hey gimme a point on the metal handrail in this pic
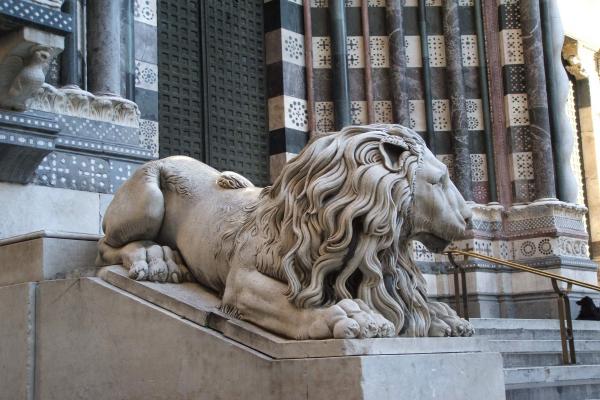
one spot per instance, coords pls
(564, 309)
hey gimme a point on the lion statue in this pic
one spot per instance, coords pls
(322, 253)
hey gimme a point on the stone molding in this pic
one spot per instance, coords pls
(73, 101)
(546, 232)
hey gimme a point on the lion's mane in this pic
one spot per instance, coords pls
(336, 223)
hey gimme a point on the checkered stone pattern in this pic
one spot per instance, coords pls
(286, 83)
(146, 72)
(378, 47)
(441, 104)
(515, 101)
(286, 65)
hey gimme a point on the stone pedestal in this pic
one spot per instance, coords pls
(549, 235)
(95, 339)
(46, 255)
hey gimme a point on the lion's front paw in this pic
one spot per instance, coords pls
(350, 319)
(442, 313)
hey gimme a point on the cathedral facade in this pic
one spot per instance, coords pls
(91, 90)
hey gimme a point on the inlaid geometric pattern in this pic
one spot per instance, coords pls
(474, 114)
(383, 112)
(470, 57)
(478, 168)
(146, 75)
(517, 109)
(145, 11)
(321, 52)
(324, 116)
(416, 110)
(441, 115)
(511, 47)
(293, 47)
(437, 50)
(358, 112)
(522, 164)
(379, 48)
(412, 46)
(356, 51)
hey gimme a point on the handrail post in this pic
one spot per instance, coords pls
(457, 288)
(463, 276)
(570, 335)
(566, 324)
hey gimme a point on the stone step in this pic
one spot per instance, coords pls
(541, 346)
(541, 359)
(533, 328)
(552, 382)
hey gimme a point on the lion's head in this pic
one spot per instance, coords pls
(338, 221)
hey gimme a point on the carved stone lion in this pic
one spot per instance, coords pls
(322, 253)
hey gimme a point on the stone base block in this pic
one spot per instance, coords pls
(97, 341)
(32, 208)
(17, 341)
(47, 255)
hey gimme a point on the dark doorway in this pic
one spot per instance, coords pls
(212, 84)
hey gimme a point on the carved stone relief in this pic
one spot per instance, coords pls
(73, 101)
(24, 59)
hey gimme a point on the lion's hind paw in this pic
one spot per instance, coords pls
(350, 319)
(155, 263)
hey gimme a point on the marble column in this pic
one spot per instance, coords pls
(71, 62)
(339, 64)
(558, 90)
(539, 119)
(395, 31)
(456, 91)
(103, 51)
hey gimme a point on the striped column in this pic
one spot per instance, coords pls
(286, 91)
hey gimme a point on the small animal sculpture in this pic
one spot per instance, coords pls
(588, 311)
(322, 253)
(19, 82)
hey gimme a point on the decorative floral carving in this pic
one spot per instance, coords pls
(50, 3)
(71, 100)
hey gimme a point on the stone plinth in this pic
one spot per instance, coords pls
(548, 235)
(95, 340)
(46, 255)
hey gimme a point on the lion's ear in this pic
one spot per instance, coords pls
(391, 147)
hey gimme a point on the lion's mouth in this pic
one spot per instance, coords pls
(433, 243)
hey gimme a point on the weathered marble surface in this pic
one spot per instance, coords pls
(539, 120)
(96, 341)
(330, 220)
(199, 305)
(398, 78)
(17, 341)
(562, 138)
(456, 89)
(104, 44)
(45, 255)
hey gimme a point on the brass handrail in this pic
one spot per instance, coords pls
(564, 309)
